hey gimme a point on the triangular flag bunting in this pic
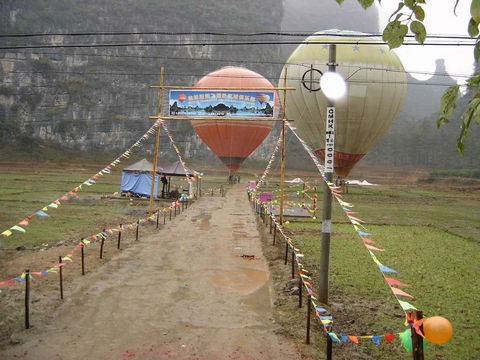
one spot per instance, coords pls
(370, 247)
(400, 292)
(391, 281)
(406, 306)
(17, 228)
(367, 240)
(386, 269)
(353, 339)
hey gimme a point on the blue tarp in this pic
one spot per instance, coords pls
(138, 183)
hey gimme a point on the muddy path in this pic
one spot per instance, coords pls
(183, 293)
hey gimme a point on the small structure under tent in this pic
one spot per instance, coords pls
(176, 169)
(137, 179)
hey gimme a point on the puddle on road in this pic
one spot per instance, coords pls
(203, 219)
(184, 293)
(240, 235)
(243, 281)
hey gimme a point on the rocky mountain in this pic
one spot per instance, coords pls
(81, 73)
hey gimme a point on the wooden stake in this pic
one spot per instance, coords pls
(417, 340)
(61, 277)
(27, 299)
(274, 233)
(329, 346)
(101, 247)
(119, 236)
(83, 258)
(309, 310)
(300, 291)
(293, 264)
(136, 232)
(286, 253)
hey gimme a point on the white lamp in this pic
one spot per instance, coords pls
(333, 85)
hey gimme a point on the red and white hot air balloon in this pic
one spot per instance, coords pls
(233, 140)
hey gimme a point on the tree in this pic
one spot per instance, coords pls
(409, 16)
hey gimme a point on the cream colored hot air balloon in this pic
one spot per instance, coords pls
(376, 88)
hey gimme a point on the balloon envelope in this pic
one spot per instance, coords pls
(376, 89)
(233, 141)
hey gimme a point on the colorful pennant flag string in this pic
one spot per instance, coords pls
(270, 162)
(86, 241)
(184, 166)
(19, 227)
(364, 235)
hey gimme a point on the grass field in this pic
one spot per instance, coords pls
(430, 231)
(431, 234)
(28, 188)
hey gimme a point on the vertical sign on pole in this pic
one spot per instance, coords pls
(330, 140)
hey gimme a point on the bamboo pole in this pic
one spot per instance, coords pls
(157, 142)
(220, 87)
(282, 164)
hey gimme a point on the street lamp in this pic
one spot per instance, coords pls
(333, 86)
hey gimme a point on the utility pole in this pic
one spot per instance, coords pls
(327, 193)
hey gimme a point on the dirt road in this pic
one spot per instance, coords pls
(184, 293)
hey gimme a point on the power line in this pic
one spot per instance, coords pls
(237, 34)
(141, 57)
(209, 43)
(431, 40)
(182, 74)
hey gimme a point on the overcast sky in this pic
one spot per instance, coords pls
(439, 20)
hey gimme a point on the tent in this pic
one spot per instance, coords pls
(295, 181)
(137, 179)
(176, 169)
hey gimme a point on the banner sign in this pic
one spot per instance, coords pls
(266, 197)
(224, 103)
(330, 140)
